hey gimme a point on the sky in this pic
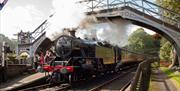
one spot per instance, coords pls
(23, 15)
(27, 15)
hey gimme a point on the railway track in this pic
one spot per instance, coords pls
(119, 81)
(126, 86)
(104, 86)
(48, 87)
(100, 86)
(57, 88)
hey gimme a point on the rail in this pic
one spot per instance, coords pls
(126, 72)
(141, 79)
(48, 87)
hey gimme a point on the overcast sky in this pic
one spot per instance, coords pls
(24, 15)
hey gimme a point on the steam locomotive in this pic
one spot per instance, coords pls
(78, 59)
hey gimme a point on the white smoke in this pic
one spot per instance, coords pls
(115, 33)
(68, 14)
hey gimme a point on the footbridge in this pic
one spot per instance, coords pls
(33, 40)
(139, 12)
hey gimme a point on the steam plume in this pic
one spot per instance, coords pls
(115, 33)
(68, 14)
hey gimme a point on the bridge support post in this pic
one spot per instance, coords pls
(142, 5)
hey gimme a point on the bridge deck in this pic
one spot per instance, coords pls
(154, 19)
(114, 13)
(21, 81)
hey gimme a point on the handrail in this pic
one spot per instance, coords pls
(141, 79)
(136, 77)
(40, 30)
(162, 7)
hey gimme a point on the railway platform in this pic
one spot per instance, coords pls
(21, 81)
(160, 82)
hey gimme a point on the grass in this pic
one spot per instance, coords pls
(171, 74)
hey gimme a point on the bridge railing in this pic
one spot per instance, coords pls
(147, 7)
(40, 30)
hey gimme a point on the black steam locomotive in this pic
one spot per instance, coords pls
(81, 59)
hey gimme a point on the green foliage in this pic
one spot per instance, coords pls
(165, 51)
(11, 42)
(139, 41)
(166, 47)
(173, 5)
(163, 41)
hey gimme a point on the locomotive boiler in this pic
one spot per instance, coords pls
(78, 59)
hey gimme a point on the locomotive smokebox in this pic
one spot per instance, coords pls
(64, 45)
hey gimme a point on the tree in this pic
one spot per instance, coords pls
(139, 41)
(165, 51)
(11, 42)
(173, 5)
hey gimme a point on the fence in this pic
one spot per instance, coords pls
(142, 77)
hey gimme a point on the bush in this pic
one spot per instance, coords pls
(165, 51)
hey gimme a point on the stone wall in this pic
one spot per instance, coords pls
(15, 70)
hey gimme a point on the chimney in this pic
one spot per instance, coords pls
(72, 32)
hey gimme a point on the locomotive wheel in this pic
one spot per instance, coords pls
(116, 70)
(52, 78)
